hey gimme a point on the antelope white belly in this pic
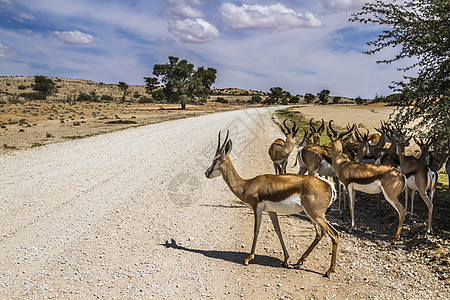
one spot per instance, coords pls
(411, 181)
(371, 188)
(291, 205)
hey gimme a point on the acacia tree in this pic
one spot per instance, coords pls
(277, 95)
(421, 29)
(151, 83)
(124, 87)
(309, 98)
(44, 85)
(182, 82)
(323, 96)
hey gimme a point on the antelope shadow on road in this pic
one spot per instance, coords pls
(234, 256)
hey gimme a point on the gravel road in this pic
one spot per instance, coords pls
(130, 214)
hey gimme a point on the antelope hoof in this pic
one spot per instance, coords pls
(248, 259)
(350, 229)
(286, 264)
(299, 263)
(328, 273)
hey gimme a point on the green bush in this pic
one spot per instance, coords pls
(22, 87)
(33, 96)
(146, 100)
(294, 99)
(256, 99)
(121, 122)
(106, 98)
(222, 100)
(359, 100)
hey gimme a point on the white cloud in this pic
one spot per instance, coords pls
(276, 16)
(74, 37)
(344, 4)
(184, 12)
(193, 2)
(6, 52)
(22, 17)
(193, 31)
(25, 31)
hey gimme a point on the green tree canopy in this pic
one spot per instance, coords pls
(309, 98)
(44, 85)
(182, 82)
(277, 95)
(124, 87)
(151, 83)
(323, 96)
(420, 29)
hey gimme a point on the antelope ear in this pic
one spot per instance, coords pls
(228, 147)
(226, 151)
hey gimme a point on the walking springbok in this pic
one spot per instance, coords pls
(280, 149)
(286, 194)
(419, 176)
(367, 178)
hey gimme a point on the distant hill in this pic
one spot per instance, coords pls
(14, 85)
(68, 88)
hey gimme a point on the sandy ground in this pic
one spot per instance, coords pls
(365, 116)
(130, 214)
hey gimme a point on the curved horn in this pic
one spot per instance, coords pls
(285, 126)
(294, 127)
(220, 149)
(218, 145)
(313, 129)
(331, 128)
(347, 132)
(322, 127)
(306, 131)
(358, 134)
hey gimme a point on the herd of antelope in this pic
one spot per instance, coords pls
(355, 161)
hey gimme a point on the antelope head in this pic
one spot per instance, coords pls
(363, 141)
(290, 132)
(316, 133)
(222, 152)
(398, 133)
(334, 136)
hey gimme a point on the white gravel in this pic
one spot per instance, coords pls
(89, 217)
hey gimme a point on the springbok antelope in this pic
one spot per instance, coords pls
(280, 149)
(386, 157)
(316, 159)
(286, 193)
(420, 177)
(316, 133)
(367, 178)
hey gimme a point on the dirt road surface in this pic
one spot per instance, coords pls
(130, 214)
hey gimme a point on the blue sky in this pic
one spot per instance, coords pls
(302, 46)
